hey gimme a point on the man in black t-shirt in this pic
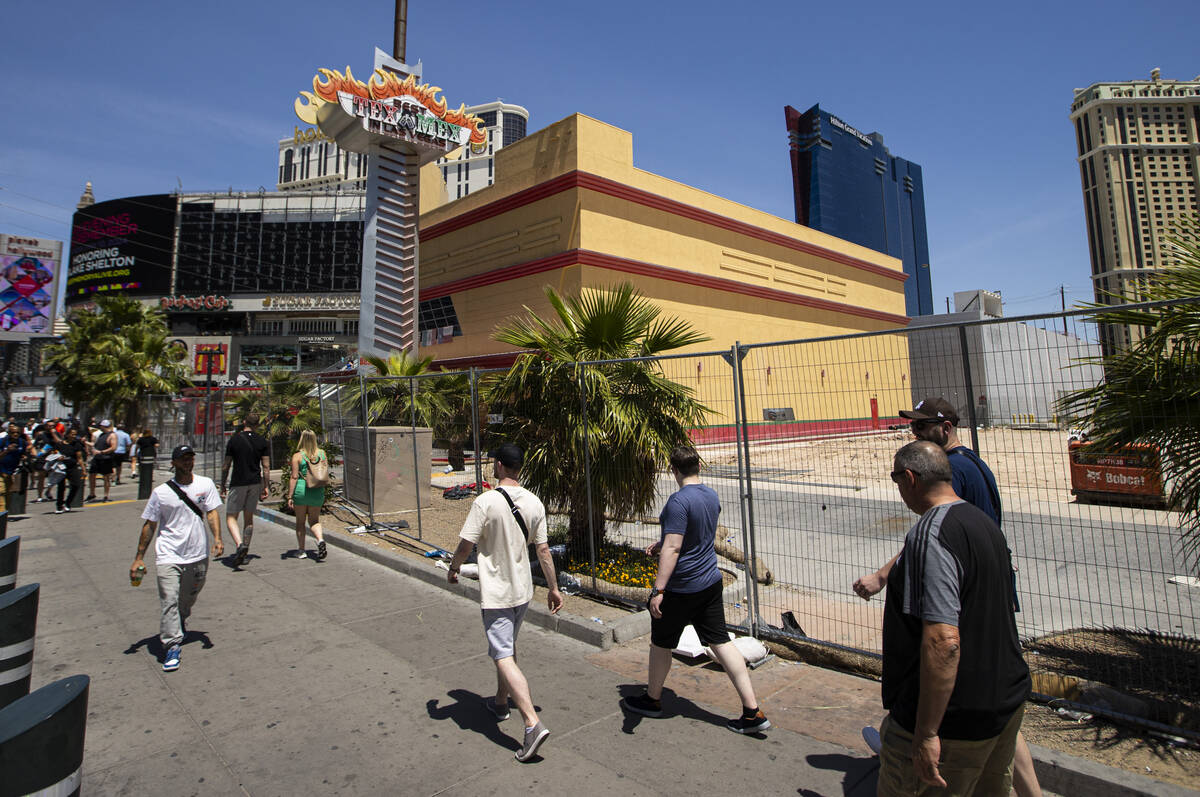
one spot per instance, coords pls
(249, 455)
(954, 679)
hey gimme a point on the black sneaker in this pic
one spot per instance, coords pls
(90, 497)
(240, 555)
(643, 704)
(321, 552)
(756, 724)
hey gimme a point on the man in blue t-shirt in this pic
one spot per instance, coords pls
(687, 591)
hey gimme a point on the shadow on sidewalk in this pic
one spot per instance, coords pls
(154, 647)
(470, 713)
(860, 778)
(673, 705)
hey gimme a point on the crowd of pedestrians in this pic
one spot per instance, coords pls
(954, 678)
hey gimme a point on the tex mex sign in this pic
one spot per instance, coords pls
(386, 107)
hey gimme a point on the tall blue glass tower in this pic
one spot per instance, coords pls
(847, 184)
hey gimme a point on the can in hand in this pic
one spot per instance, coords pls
(135, 578)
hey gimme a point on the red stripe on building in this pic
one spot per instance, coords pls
(603, 185)
(599, 260)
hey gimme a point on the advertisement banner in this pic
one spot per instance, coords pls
(28, 281)
(122, 246)
(196, 352)
(27, 401)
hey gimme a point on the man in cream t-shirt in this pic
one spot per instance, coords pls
(505, 581)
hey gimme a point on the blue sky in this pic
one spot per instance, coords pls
(141, 97)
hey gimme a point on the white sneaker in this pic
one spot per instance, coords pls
(301, 554)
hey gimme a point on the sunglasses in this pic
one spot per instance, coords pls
(896, 474)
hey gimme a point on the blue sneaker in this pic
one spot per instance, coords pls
(171, 662)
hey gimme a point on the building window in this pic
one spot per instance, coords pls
(514, 128)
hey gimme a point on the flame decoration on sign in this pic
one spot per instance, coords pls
(382, 86)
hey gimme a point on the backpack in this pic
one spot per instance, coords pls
(317, 474)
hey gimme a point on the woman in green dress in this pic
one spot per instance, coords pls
(307, 501)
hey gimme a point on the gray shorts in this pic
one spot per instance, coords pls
(501, 627)
(242, 499)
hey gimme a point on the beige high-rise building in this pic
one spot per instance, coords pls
(1139, 162)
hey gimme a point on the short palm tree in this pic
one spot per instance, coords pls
(632, 416)
(399, 391)
(116, 356)
(1151, 390)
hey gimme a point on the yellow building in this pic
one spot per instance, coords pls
(569, 209)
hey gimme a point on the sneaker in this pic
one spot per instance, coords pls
(40, 500)
(500, 713)
(321, 551)
(240, 555)
(66, 509)
(755, 724)
(171, 662)
(643, 704)
(58, 511)
(105, 498)
(534, 737)
(871, 737)
(91, 497)
(301, 554)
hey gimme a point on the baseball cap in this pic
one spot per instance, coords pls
(932, 409)
(508, 455)
(182, 451)
(105, 422)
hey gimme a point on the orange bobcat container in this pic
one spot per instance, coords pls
(1131, 475)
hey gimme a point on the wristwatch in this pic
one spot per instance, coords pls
(653, 591)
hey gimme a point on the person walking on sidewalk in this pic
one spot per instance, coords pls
(249, 455)
(103, 460)
(503, 523)
(145, 450)
(687, 591)
(121, 455)
(184, 511)
(935, 419)
(954, 679)
(307, 501)
(14, 446)
(70, 457)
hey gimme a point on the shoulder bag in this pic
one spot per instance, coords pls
(517, 514)
(184, 496)
(317, 474)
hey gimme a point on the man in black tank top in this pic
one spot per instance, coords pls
(954, 679)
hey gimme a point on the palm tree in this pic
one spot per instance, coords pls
(1151, 390)
(115, 357)
(630, 420)
(405, 395)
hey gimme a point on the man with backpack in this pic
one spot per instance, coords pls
(104, 460)
(503, 523)
(184, 512)
(249, 455)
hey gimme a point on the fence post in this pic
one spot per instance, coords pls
(475, 430)
(966, 364)
(321, 409)
(747, 499)
(368, 454)
(417, 478)
(587, 470)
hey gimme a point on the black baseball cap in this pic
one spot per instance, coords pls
(182, 451)
(932, 409)
(508, 455)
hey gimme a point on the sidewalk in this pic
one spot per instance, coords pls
(345, 677)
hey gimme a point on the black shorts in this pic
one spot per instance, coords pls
(102, 465)
(703, 610)
(120, 459)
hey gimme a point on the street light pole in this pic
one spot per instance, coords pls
(401, 33)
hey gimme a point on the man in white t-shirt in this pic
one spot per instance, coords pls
(180, 510)
(494, 525)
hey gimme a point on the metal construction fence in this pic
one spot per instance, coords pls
(797, 438)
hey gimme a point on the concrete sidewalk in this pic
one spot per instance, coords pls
(345, 677)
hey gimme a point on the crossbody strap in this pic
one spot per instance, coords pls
(516, 513)
(187, 500)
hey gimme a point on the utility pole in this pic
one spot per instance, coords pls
(398, 40)
(947, 304)
(1062, 294)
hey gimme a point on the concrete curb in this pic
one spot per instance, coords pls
(1066, 774)
(581, 628)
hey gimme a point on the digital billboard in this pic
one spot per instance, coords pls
(122, 246)
(28, 280)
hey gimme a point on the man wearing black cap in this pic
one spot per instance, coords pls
(180, 510)
(503, 523)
